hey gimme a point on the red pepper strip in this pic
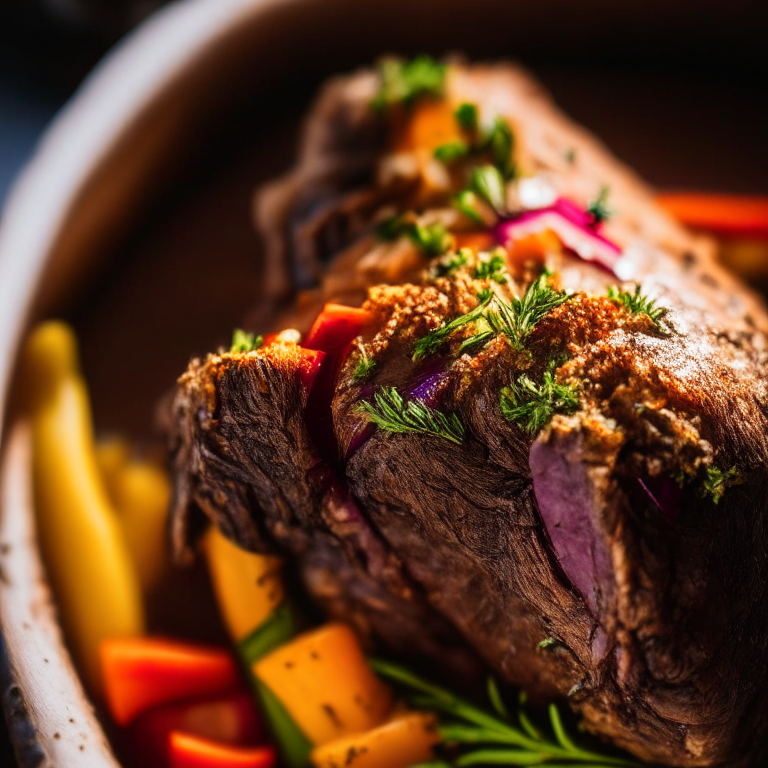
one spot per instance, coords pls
(189, 751)
(335, 327)
(730, 215)
(231, 720)
(311, 364)
(333, 332)
(140, 673)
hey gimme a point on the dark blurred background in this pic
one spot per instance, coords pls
(677, 88)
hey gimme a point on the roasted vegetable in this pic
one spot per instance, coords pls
(144, 672)
(401, 742)
(325, 684)
(188, 751)
(91, 571)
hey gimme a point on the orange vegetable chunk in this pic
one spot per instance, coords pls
(325, 684)
(431, 124)
(734, 215)
(140, 673)
(188, 751)
(404, 741)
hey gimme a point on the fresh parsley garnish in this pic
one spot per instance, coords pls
(452, 263)
(492, 266)
(466, 116)
(718, 481)
(454, 150)
(364, 366)
(638, 304)
(491, 736)
(243, 341)
(531, 406)
(466, 202)
(598, 208)
(390, 412)
(403, 82)
(488, 182)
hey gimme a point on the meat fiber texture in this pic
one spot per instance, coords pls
(567, 559)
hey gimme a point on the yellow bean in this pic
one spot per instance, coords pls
(93, 578)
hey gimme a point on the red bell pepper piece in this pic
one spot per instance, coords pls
(142, 672)
(189, 751)
(310, 365)
(230, 719)
(729, 215)
(335, 328)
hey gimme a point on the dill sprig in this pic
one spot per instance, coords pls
(431, 343)
(531, 406)
(717, 481)
(403, 82)
(390, 412)
(491, 736)
(363, 367)
(598, 208)
(492, 266)
(243, 341)
(636, 304)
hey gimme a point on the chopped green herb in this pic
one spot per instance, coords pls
(549, 642)
(431, 343)
(452, 263)
(493, 266)
(570, 155)
(391, 228)
(403, 82)
(432, 240)
(364, 366)
(243, 341)
(454, 150)
(466, 116)
(531, 406)
(390, 412)
(717, 482)
(487, 181)
(466, 202)
(499, 141)
(638, 304)
(599, 206)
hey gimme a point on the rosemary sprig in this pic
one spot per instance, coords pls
(431, 343)
(390, 412)
(502, 741)
(531, 406)
(364, 366)
(718, 481)
(243, 341)
(598, 208)
(636, 304)
(403, 82)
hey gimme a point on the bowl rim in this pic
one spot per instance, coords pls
(147, 63)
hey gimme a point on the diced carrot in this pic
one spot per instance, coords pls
(188, 751)
(534, 247)
(230, 720)
(140, 673)
(734, 215)
(403, 741)
(431, 124)
(475, 241)
(335, 327)
(324, 682)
